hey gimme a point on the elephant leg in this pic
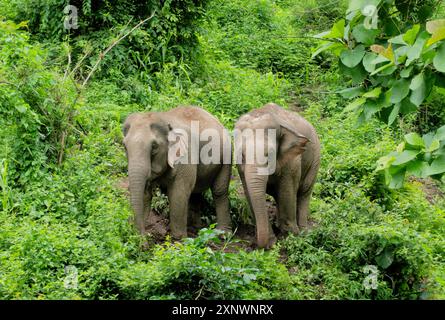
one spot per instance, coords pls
(178, 193)
(220, 193)
(195, 207)
(287, 206)
(303, 199)
(304, 194)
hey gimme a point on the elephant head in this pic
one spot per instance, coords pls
(281, 142)
(146, 146)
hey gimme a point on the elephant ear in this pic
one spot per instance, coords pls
(292, 143)
(178, 146)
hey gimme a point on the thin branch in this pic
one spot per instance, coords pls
(115, 42)
(79, 63)
(68, 65)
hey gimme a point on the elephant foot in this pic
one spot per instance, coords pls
(225, 228)
(272, 241)
(178, 235)
(285, 230)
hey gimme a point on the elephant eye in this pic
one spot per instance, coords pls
(154, 148)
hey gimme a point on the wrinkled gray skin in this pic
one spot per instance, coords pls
(297, 154)
(146, 145)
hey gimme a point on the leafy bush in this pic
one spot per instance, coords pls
(168, 37)
(36, 105)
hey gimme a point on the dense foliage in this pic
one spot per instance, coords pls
(64, 230)
(396, 57)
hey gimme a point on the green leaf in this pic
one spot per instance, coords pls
(337, 31)
(364, 35)
(399, 90)
(415, 51)
(386, 258)
(394, 113)
(419, 89)
(351, 58)
(417, 81)
(405, 73)
(332, 46)
(405, 156)
(410, 36)
(398, 40)
(358, 73)
(435, 144)
(375, 93)
(414, 139)
(439, 59)
(417, 168)
(437, 166)
(368, 61)
(440, 133)
(355, 104)
(397, 176)
(350, 93)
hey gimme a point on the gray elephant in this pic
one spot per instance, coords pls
(150, 139)
(292, 148)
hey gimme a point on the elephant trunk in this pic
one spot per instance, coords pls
(138, 176)
(256, 189)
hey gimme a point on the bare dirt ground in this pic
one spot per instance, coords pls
(430, 189)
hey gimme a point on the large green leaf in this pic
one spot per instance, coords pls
(399, 90)
(440, 133)
(374, 93)
(439, 59)
(398, 40)
(417, 168)
(394, 113)
(368, 61)
(419, 89)
(396, 176)
(350, 93)
(414, 139)
(332, 46)
(386, 258)
(405, 73)
(437, 166)
(351, 58)
(415, 51)
(358, 73)
(410, 36)
(355, 104)
(405, 156)
(365, 35)
(337, 31)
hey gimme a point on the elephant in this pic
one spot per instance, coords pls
(150, 137)
(294, 148)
